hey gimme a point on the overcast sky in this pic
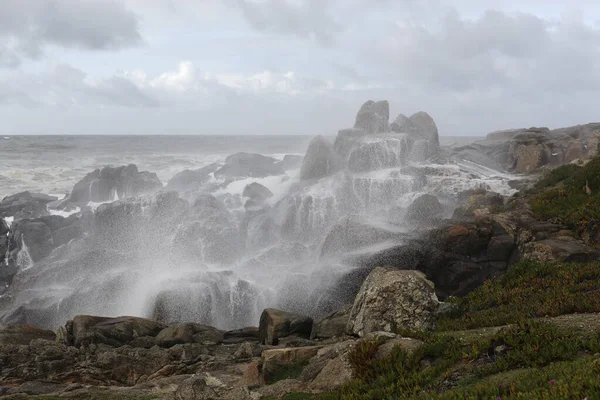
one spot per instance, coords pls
(294, 66)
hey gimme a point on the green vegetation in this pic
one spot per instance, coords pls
(561, 196)
(527, 359)
(529, 289)
(283, 372)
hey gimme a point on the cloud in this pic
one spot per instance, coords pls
(302, 18)
(27, 28)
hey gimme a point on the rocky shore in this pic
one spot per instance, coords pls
(392, 298)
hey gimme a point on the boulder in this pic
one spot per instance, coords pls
(403, 124)
(321, 159)
(257, 192)
(25, 205)
(345, 141)
(550, 250)
(424, 209)
(192, 179)
(189, 333)
(332, 325)
(479, 199)
(427, 128)
(276, 324)
(376, 152)
(36, 236)
(277, 363)
(111, 183)
(392, 300)
(195, 388)
(247, 165)
(23, 334)
(373, 117)
(86, 329)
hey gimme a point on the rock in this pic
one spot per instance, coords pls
(114, 332)
(290, 162)
(391, 300)
(336, 373)
(575, 151)
(276, 324)
(36, 236)
(192, 179)
(559, 250)
(427, 128)
(407, 344)
(375, 152)
(246, 165)
(247, 350)
(373, 117)
(25, 205)
(333, 325)
(34, 388)
(23, 334)
(195, 388)
(345, 141)
(280, 388)
(480, 199)
(504, 135)
(111, 183)
(321, 159)
(252, 374)
(257, 192)
(501, 247)
(424, 209)
(403, 124)
(250, 333)
(4, 228)
(189, 333)
(285, 363)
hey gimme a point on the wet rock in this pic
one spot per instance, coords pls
(276, 324)
(424, 209)
(25, 205)
(375, 152)
(250, 333)
(247, 165)
(391, 300)
(478, 200)
(34, 388)
(114, 332)
(23, 334)
(333, 325)
(290, 162)
(189, 333)
(373, 117)
(109, 183)
(192, 179)
(427, 128)
(321, 160)
(257, 192)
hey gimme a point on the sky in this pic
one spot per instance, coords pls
(301, 67)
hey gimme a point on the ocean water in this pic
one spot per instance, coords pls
(53, 164)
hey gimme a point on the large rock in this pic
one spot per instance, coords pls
(25, 205)
(276, 324)
(257, 192)
(291, 161)
(86, 329)
(195, 388)
(23, 334)
(427, 127)
(321, 159)
(247, 165)
(551, 250)
(377, 152)
(373, 117)
(192, 179)
(189, 333)
(392, 300)
(332, 325)
(110, 183)
(424, 209)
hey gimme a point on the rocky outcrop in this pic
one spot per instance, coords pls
(257, 192)
(393, 300)
(321, 159)
(332, 325)
(276, 324)
(427, 128)
(275, 360)
(373, 117)
(192, 179)
(247, 165)
(189, 333)
(111, 183)
(23, 334)
(116, 332)
(25, 205)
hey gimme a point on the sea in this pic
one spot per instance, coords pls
(53, 164)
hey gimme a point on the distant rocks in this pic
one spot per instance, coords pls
(393, 300)
(247, 165)
(321, 159)
(25, 205)
(111, 183)
(192, 179)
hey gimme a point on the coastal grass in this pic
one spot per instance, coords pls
(526, 358)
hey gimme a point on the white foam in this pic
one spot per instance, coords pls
(65, 214)
(9, 221)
